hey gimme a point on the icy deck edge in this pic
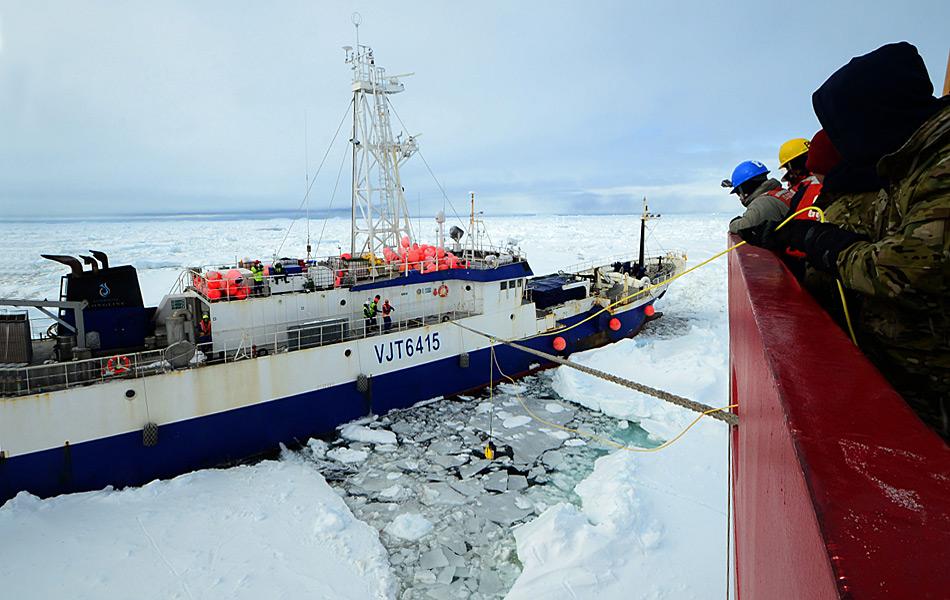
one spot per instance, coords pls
(840, 490)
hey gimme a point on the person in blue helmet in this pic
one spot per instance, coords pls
(763, 197)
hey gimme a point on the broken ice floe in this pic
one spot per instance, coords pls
(445, 513)
(409, 526)
(360, 433)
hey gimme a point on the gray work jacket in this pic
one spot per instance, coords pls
(760, 207)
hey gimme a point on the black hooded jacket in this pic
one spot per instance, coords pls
(870, 107)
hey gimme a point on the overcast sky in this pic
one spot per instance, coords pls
(118, 107)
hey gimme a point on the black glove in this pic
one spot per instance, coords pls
(761, 235)
(821, 242)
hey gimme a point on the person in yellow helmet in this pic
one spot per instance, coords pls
(804, 185)
(204, 329)
(792, 156)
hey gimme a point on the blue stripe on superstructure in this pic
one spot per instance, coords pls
(509, 271)
(217, 439)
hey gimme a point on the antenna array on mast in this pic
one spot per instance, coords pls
(380, 216)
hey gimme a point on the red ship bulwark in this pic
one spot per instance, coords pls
(840, 490)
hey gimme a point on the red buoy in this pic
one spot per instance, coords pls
(559, 343)
(614, 324)
(648, 310)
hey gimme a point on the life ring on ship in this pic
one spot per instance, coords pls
(443, 291)
(116, 365)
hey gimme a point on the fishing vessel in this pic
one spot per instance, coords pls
(239, 359)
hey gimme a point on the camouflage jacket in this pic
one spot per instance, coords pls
(903, 272)
(855, 211)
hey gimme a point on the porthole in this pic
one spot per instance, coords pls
(343, 302)
(511, 316)
(347, 352)
(130, 394)
(468, 288)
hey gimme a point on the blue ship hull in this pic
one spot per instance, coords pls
(230, 436)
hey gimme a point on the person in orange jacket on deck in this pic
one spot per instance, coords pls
(804, 185)
(204, 329)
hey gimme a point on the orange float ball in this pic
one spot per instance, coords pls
(648, 310)
(559, 343)
(614, 324)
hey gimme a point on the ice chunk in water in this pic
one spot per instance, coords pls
(502, 509)
(441, 493)
(518, 421)
(358, 433)
(517, 483)
(473, 468)
(347, 456)
(409, 526)
(433, 559)
(318, 448)
(496, 482)
(467, 487)
(552, 459)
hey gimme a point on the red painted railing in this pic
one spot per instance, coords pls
(840, 490)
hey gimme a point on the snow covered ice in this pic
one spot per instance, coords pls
(271, 530)
(411, 510)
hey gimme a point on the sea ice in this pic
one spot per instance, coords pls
(512, 422)
(271, 530)
(347, 455)
(409, 526)
(358, 433)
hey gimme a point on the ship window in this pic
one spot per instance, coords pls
(511, 284)
(504, 285)
(521, 283)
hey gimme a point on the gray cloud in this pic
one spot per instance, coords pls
(538, 106)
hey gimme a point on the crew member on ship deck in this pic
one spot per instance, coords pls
(369, 315)
(764, 198)
(387, 318)
(204, 329)
(881, 116)
(804, 185)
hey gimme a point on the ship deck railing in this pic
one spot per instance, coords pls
(590, 265)
(21, 380)
(342, 273)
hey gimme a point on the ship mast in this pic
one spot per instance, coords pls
(380, 216)
(646, 216)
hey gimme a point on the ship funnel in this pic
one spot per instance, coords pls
(69, 261)
(102, 258)
(91, 262)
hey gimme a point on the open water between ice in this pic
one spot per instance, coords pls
(444, 513)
